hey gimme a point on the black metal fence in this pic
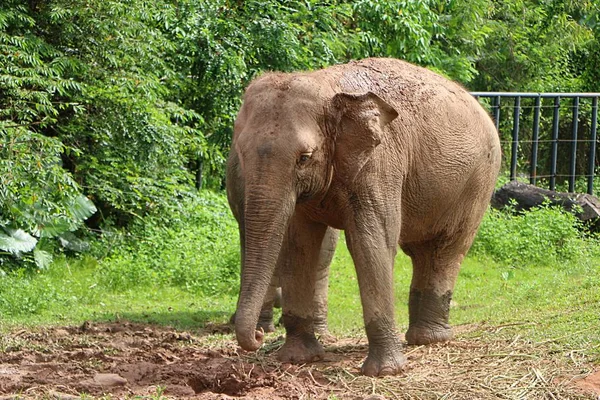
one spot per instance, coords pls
(529, 147)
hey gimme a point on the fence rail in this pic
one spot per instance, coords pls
(591, 120)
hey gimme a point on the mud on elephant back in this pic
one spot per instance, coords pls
(391, 153)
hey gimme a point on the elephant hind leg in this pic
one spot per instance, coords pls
(265, 318)
(322, 284)
(436, 264)
(277, 300)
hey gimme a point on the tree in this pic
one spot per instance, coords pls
(531, 46)
(39, 199)
(125, 105)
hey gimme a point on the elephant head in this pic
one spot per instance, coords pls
(295, 136)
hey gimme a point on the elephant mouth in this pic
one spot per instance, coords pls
(304, 197)
(314, 189)
(310, 194)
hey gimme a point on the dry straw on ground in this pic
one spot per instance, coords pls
(484, 362)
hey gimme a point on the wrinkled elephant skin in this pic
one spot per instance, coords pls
(273, 298)
(391, 153)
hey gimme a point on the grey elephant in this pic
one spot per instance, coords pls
(391, 153)
(236, 199)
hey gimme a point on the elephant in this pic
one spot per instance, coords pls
(391, 153)
(235, 197)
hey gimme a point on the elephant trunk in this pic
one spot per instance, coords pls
(266, 219)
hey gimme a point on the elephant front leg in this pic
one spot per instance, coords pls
(435, 268)
(374, 259)
(298, 278)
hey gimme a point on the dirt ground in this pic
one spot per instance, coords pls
(127, 360)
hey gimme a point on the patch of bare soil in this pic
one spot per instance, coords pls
(591, 383)
(126, 360)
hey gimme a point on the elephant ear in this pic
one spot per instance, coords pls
(359, 122)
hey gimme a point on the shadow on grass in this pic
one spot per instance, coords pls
(200, 322)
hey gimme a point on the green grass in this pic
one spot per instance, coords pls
(559, 303)
(71, 292)
(553, 303)
(534, 275)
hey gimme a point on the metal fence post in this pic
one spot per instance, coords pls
(592, 160)
(534, 139)
(573, 166)
(515, 139)
(534, 176)
(554, 150)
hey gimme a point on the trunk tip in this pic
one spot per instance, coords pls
(254, 343)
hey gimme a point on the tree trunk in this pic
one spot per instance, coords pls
(525, 197)
(199, 171)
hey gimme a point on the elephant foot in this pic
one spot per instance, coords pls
(323, 334)
(428, 317)
(386, 363)
(326, 337)
(385, 349)
(301, 345)
(301, 350)
(427, 334)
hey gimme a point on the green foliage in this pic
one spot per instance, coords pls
(533, 46)
(446, 36)
(197, 250)
(25, 294)
(128, 106)
(16, 241)
(542, 236)
(37, 194)
(132, 142)
(587, 59)
(38, 197)
(222, 45)
(194, 250)
(402, 29)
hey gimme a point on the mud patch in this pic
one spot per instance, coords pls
(591, 383)
(127, 360)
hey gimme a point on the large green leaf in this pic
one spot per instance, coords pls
(69, 241)
(42, 258)
(16, 241)
(53, 228)
(83, 208)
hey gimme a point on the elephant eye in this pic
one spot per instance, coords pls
(304, 157)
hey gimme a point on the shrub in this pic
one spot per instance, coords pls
(197, 249)
(541, 236)
(39, 199)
